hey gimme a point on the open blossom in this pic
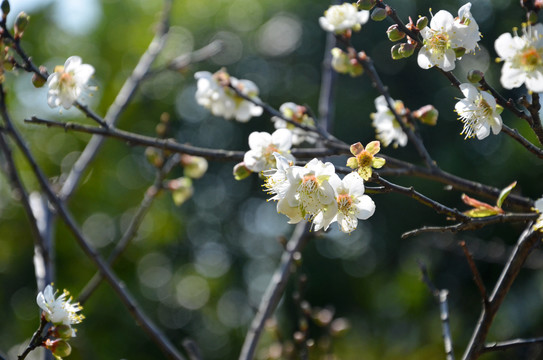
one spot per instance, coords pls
(352, 203)
(276, 179)
(68, 82)
(299, 115)
(263, 146)
(523, 56)
(478, 113)
(339, 18)
(539, 208)
(445, 35)
(387, 128)
(213, 93)
(308, 192)
(59, 310)
(364, 159)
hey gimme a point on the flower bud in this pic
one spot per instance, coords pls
(395, 34)
(21, 22)
(406, 50)
(58, 347)
(38, 81)
(378, 14)
(459, 52)
(474, 76)
(241, 171)
(182, 190)
(395, 52)
(194, 166)
(366, 4)
(154, 157)
(427, 115)
(5, 7)
(63, 331)
(340, 61)
(422, 22)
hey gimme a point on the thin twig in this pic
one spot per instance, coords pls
(510, 344)
(473, 224)
(132, 229)
(475, 272)
(327, 88)
(274, 291)
(523, 141)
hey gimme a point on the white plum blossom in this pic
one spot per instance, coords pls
(445, 35)
(213, 93)
(309, 191)
(387, 128)
(59, 310)
(299, 115)
(478, 113)
(276, 179)
(68, 82)
(352, 203)
(340, 18)
(523, 56)
(263, 146)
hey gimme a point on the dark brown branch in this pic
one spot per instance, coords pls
(476, 275)
(523, 141)
(473, 224)
(520, 253)
(274, 290)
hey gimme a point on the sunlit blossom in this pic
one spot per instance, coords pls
(339, 18)
(68, 82)
(523, 57)
(263, 146)
(478, 112)
(387, 128)
(59, 310)
(214, 93)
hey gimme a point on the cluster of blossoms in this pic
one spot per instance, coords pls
(68, 82)
(341, 18)
(479, 113)
(63, 314)
(216, 93)
(297, 114)
(523, 56)
(387, 128)
(315, 193)
(448, 38)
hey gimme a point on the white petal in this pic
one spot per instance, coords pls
(443, 21)
(534, 81)
(469, 91)
(355, 184)
(259, 140)
(423, 59)
(505, 46)
(365, 207)
(282, 138)
(511, 77)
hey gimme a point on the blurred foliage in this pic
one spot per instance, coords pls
(199, 270)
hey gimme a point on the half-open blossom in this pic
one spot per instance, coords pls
(352, 203)
(364, 158)
(59, 310)
(387, 128)
(446, 36)
(339, 18)
(299, 115)
(68, 82)
(263, 146)
(214, 93)
(523, 56)
(539, 208)
(478, 113)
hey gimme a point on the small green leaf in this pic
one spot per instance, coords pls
(504, 194)
(481, 212)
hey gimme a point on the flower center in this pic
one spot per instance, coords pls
(345, 203)
(438, 42)
(484, 107)
(309, 194)
(364, 159)
(530, 59)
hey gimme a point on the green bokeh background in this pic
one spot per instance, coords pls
(199, 270)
